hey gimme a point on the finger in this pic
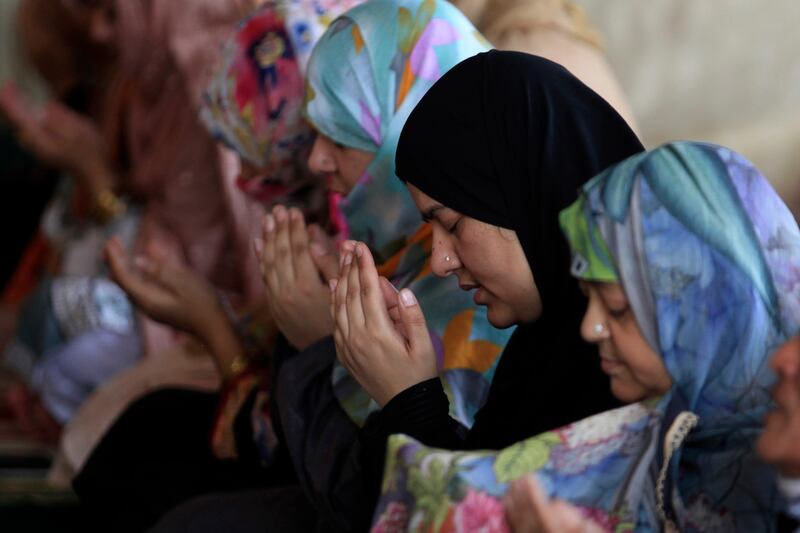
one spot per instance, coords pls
(301, 255)
(142, 293)
(326, 262)
(568, 518)
(284, 267)
(518, 509)
(344, 248)
(340, 304)
(414, 323)
(117, 260)
(390, 294)
(372, 299)
(319, 236)
(267, 259)
(355, 308)
(540, 505)
(15, 106)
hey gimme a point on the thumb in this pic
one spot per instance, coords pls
(326, 262)
(117, 260)
(414, 323)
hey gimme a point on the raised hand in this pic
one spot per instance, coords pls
(529, 510)
(386, 354)
(174, 296)
(59, 136)
(293, 267)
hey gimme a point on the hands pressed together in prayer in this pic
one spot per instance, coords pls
(296, 263)
(530, 510)
(381, 335)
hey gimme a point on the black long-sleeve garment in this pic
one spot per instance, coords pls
(509, 139)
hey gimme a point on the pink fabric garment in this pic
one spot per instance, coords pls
(192, 213)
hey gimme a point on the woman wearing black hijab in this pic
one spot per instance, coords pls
(491, 154)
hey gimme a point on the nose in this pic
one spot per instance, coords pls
(444, 260)
(321, 160)
(594, 326)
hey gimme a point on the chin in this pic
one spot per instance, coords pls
(500, 317)
(626, 392)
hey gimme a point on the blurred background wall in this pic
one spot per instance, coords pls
(726, 71)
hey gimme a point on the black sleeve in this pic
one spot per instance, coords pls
(421, 412)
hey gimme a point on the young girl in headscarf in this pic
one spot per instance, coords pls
(690, 263)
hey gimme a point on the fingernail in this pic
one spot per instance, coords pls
(317, 249)
(332, 283)
(270, 224)
(359, 250)
(280, 213)
(294, 214)
(408, 298)
(348, 258)
(258, 244)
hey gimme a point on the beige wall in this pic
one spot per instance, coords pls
(726, 71)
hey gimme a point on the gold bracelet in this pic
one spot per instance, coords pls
(108, 206)
(236, 367)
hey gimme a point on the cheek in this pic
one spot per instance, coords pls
(643, 364)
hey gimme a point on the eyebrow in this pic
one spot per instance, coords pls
(427, 216)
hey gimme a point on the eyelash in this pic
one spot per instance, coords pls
(618, 313)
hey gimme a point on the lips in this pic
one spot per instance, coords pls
(609, 365)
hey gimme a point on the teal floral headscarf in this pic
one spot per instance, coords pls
(709, 258)
(365, 75)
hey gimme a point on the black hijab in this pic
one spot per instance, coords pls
(509, 138)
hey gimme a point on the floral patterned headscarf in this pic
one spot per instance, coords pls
(254, 103)
(709, 258)
(365, 75)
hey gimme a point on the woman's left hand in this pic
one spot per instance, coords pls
(529, 510)
(386, 354)
(297, 295)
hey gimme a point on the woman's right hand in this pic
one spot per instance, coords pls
(172, 295)
(381, 336)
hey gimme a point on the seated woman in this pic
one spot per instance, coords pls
(464, 141)
(130, 455)
(689, 260)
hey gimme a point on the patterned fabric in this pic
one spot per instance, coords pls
(709, 258)
(364, 77)
(254, 102)
(426, 489)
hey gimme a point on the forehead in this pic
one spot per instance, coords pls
(423, 201)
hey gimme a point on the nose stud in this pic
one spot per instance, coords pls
(447, 258)
(599, 328)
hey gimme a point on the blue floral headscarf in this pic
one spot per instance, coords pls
(709, 258)
(365, 75)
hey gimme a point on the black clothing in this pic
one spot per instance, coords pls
(157, 455)
(509, 138)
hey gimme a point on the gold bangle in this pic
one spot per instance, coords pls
(108, 206)
(236, 367)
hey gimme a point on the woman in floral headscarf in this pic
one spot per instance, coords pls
(274, 145)
(691, 263)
